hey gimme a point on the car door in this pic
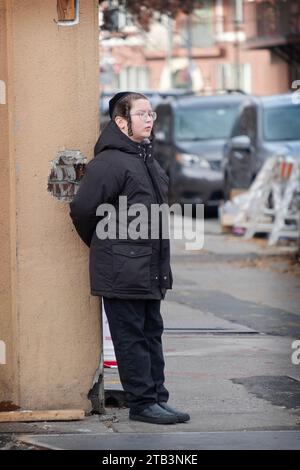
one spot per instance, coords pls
(240, 155)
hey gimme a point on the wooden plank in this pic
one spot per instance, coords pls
(41, 415)
(66, 10)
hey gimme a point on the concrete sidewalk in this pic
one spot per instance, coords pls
(208, 366)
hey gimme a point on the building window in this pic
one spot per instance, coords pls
(202, 29)
(134, 78)
(237, 11)
(227, 77)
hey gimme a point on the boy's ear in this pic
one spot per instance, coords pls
(121, 122)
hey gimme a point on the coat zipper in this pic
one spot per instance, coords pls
(155, 199)
(149, 178)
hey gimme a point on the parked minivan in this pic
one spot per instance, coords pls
(264, 127)
(190, 135)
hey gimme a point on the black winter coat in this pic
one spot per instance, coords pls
(123, 268)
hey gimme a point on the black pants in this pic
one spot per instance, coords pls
(136, 327)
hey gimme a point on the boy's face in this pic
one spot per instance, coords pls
(141, 129)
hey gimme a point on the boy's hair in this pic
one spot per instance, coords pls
(123, 107)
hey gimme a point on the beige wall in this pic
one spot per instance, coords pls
(7, 373)
(49, 321)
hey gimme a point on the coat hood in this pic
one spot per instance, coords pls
(112, 138)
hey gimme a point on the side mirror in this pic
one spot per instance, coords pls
(160, 136)
(241, 142)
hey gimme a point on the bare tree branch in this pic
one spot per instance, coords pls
(143, 11)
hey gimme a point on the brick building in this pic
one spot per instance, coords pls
(211, 46)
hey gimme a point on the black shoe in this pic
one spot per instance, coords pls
(154, 414)
(182, 417)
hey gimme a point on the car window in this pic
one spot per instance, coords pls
(282, 123)
(214, 122)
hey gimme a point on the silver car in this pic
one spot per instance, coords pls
(265, 126)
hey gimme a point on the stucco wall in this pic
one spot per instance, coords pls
(52, 105)
(8, 388)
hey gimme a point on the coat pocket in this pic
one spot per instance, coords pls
(131, 267)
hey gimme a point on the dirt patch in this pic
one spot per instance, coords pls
(262, 242)
(11, 442)
(8, 406)
(283, 264)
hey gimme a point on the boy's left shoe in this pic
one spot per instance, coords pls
(182, 417)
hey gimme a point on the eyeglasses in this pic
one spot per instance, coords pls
(144, 115)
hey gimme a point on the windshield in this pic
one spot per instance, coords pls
(205, 123)
(282, 123)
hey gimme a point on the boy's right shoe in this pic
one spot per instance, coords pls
(154, 414)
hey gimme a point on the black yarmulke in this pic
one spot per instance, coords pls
(113, 101)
